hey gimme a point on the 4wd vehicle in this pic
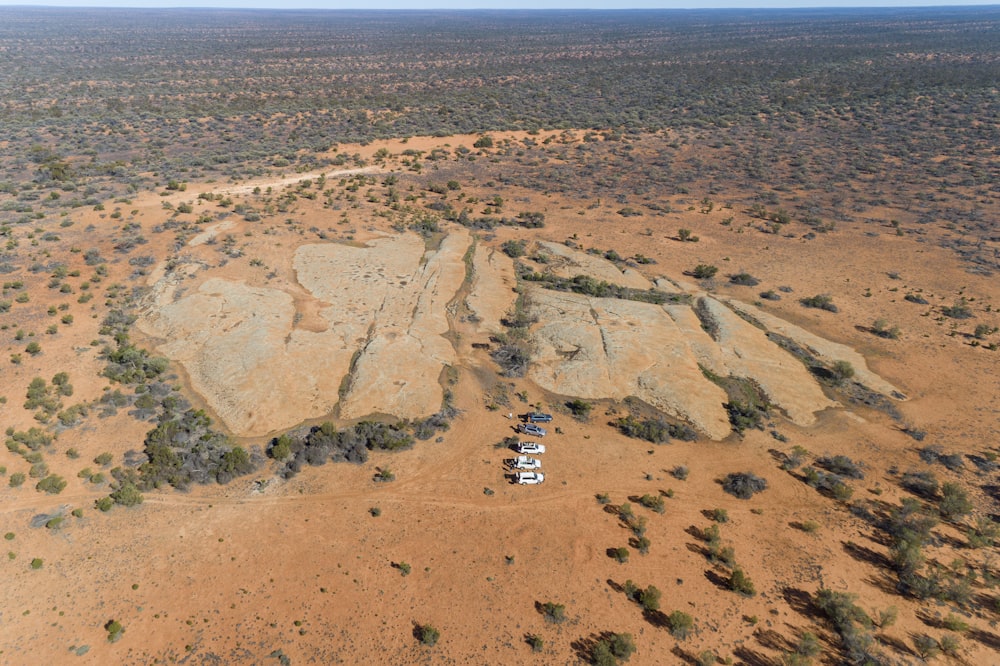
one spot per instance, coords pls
(530, 448)
(529, 478)
(537, 417)
(531, 429)
(526, 462)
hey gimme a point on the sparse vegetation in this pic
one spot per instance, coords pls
(810, 124)
(657, 431)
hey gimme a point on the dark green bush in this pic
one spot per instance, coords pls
(743, 485)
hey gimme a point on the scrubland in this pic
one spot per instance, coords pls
(273, 283)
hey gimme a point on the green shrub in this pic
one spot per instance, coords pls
(104, 504)
(952, 622)
(704, 271)
(37, 563)
(739, 582)
(842, 371)
(580, 408)
(127, 494)
(16, 479)
(52, 484)
(949, 645)
(719, 515)
(744, 279)
(881, 328)
(924, 484)
(681, 624)
(960, 310)
(514, 248)
(926, 646)
(706, 658)
(649, 598)
(654, 502)
(820, 302)
(743, 485)
(428, 635)
(955, 502)
(983, 533)
(553, 612)
(114, 629)
(744, 415)
(809, 526)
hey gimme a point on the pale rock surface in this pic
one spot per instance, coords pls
(568, 263)
(748, 353)
(609, 348)
(823, 349)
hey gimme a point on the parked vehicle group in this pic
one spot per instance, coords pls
(526, 468)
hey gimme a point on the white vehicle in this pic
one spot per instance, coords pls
(529, 478)
(531, 448)
(526, 462)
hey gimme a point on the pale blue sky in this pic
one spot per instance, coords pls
(495, 4)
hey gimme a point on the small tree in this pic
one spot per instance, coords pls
(514, 248)
(127, 494)
(842, 371)
(926, 646)
(114, 629)
(649, 598)
(820, 302)
(954, 502)
(882, 329)
(744, 279)
(553, 612)
(622, 646)
(740, 583)
(580, 408)
(704, 271)
(743, 484)
(680, 624)
(428, 634)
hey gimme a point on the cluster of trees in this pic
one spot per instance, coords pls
(655, 430)
(325, 442)
(584, 284)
